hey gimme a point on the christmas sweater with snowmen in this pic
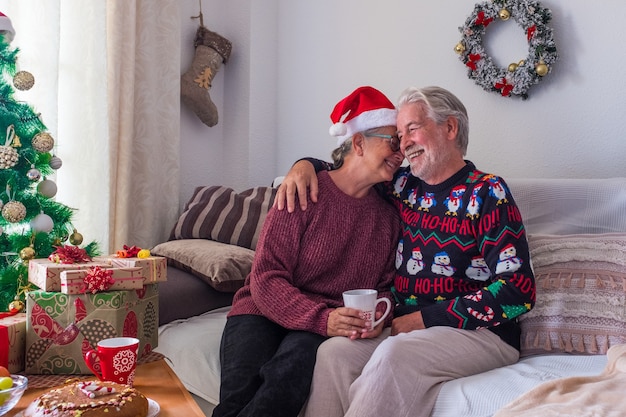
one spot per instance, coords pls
(463, 258)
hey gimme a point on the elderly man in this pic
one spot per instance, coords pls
(463, 273)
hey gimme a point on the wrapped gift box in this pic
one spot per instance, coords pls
(154, 267)
(60, 328)
(72, 282)
(13, 342)
(46, 274)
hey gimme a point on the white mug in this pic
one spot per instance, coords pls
(366, 301)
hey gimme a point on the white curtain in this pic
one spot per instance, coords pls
(107, 87)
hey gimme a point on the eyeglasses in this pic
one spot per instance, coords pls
(394, 140)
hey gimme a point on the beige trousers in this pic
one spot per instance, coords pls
(399, 375)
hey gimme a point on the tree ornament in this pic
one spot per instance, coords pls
(14, 211)
(23, 80)
(47, 188)
(55, 162)
(33, 174)
(512, 80)
(459, 48)
(76, 238)
(43, 142)
(42, 223)
(27, 253)
(16, 306)
(8, 154)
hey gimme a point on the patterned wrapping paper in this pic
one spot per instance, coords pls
(12, 342)
(46, 274)
(154, 267)
(72, 282)
(60, 328)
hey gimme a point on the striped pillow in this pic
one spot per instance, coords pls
(223, 215)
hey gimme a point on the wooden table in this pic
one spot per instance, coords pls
(155, 380)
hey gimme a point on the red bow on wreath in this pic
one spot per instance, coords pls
(97, 279)
(504, 87)
(480, 19)
(69, 254)
(531, 32)
(472, 60)
(128, 252)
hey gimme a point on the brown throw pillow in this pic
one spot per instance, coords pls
(221, 214)
(221, 265)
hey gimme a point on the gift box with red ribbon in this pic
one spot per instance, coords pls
(12, 342)
(46, 274)
(154, 268)
(60, 328)
(101, 279)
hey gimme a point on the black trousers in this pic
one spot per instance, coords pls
(266, 369)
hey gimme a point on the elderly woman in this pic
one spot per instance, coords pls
(292, 300)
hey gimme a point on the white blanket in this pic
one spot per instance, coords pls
(581, 396)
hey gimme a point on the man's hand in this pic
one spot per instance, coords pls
(300, 177)
(407, 323)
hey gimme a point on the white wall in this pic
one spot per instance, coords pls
(294, 59)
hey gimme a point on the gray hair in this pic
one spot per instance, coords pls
(440, 104)
(339, 154)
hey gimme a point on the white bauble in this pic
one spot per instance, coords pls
(42, 223)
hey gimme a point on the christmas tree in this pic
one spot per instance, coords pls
(32, 223)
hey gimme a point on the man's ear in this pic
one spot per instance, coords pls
(452, 125)
(357, 143)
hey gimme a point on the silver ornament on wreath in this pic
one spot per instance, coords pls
(23, 80)
(14, 211)
(43, 142)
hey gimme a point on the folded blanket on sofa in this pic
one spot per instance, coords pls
(601, 395)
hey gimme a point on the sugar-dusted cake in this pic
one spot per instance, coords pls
(89, 399)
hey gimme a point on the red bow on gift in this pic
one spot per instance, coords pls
(69, 254)
(504, 87)
(128, 252)
(97, 279)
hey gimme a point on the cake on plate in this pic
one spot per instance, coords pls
(89, 399)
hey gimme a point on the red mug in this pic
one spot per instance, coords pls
(114, 360)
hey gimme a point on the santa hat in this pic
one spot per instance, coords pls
(6, 28)
(365, 108)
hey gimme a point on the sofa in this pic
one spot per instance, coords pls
(577, 235)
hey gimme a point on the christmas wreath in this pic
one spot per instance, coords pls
(518, 77)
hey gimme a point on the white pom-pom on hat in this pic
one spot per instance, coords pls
(338, 129)
(365, 108)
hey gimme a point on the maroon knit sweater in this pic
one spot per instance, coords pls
(304, 260)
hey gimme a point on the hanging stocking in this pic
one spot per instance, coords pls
(211, 51)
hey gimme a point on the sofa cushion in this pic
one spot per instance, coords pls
(221, 214)
(221, 265)
(183, 295)
(581, 293)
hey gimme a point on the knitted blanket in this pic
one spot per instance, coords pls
(591, 396)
